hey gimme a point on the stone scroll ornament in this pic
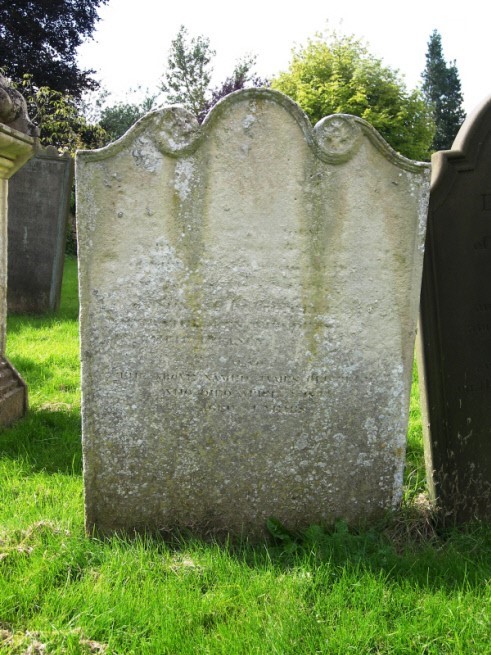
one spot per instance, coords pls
(13, 110)
(249, 295)
(454, 344)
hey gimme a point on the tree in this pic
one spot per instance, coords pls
(241, 78)
(337, 74)
(187, 78)
(40, 37)
(442, 90)
(117, 119)
(189, 67)
(60, 119)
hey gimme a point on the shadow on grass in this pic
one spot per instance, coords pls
(37, 375)
(459, 560)
(451, 559)
(47, 440)
(18, 322)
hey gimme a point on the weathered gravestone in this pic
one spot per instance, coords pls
(39, 201)
(455, 328)
(17, 144)
(249, 296)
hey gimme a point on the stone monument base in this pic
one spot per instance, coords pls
(13, 394)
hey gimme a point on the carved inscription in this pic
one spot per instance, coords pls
(482, 329)
(476, 387)
(484, 243)
(278, 394)
(486, 202)
(483, 307)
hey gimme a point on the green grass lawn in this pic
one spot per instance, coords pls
(399, 587)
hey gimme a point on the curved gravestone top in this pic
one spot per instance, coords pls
(52, 152)
(334, 139)
(249, 294)
(467, 148)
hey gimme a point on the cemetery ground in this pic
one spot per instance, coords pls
(406, 585)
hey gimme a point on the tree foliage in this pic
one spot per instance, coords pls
(243, 76)
(337, 74)
(117, 119)
(186, 80)
(40, 38)
(60, 119)
(442, 90)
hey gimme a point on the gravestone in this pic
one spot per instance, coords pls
(39, 202)
(249, 296)
(17, 144)
(454, 350)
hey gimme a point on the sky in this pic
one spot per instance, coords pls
(133, 37)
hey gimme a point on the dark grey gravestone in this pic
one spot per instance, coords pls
(455, 324)
(39, 199)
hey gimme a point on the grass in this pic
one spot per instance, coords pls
(399, 587)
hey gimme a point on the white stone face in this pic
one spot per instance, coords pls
(249, 294)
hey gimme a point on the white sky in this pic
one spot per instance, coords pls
(133, 37)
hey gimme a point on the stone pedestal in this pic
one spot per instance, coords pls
(13, 393)
(16, 148)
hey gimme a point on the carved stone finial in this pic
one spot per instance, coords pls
(339, 137)
(13, 110)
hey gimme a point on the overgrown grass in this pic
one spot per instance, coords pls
(395, 588)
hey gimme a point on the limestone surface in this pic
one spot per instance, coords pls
(249, 295)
